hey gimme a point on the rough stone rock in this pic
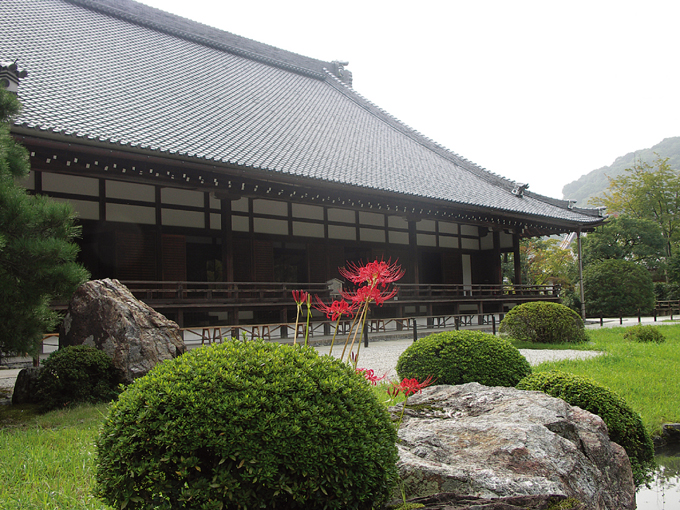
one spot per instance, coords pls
(500, 442)
(26, 386)
(105, 314)
(450, 501)
(670, 435)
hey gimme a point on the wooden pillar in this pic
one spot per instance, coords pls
(413, 247)
(580, 275)
(159, 234)
(498, 269)
(227, 241)
(516, 259)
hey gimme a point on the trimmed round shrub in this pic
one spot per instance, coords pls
(247, 425)
(459, 357)
(614, 287)
(624, 425)
(644, 334)
(77, 373)
(540, 322)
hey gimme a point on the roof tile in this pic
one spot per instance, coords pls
(132, 75)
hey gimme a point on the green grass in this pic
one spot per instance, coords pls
(47, 461)
(644, 374)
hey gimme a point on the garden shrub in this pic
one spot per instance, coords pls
(247, 425)
(550, 323)
(77, 373)
(458, 357)
(624, 425)
(644, 334)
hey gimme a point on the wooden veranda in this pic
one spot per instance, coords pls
(176, 299)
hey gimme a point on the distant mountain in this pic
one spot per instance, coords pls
(594, 183)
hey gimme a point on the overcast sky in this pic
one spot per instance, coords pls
(537, 91)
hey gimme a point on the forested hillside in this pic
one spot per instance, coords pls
(595, 182)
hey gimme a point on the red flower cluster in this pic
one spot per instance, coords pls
(336, 310)
(370, 376)
(373, 273)
(368, 294)
(408, 386)
(300, 297)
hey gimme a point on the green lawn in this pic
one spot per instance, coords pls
(47, 461)
(646, 375)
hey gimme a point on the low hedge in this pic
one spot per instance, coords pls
(624, 425)
(458, 357)
(644, 334)
(77, 373)
(543, 322)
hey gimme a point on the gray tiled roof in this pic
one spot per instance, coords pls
(119, 72)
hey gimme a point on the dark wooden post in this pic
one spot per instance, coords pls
(516, 258)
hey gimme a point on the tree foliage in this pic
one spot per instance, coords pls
(614, 287)
(37, 252)
(544, 262)
(628, 238)
(648, 191)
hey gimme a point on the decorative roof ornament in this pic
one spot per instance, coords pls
(339, 71)
(519, 189)
(10, 74)
(571, 203)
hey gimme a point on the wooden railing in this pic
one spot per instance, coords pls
(667, 308)
(476, 291)
(244, 293)
(222, 292)
(405, 327)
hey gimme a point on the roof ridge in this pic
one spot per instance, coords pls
(194, 31)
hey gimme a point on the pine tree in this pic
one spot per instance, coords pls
(37, 248)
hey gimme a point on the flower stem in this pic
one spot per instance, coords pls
(363, 325)
(337, 326)
(297, 319)
(309, 314)
(354, 321)
(356, 329)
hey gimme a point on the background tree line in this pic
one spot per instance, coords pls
(628, 263)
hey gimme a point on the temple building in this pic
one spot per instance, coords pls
(199, 158)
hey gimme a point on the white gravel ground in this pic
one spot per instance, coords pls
(382, 356)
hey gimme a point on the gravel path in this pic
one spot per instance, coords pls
(382, 356)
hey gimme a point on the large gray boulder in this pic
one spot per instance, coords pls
(104, 314)
(26, 386)
(499, 442)
(450, 501)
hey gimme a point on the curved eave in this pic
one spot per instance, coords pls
(418, 204)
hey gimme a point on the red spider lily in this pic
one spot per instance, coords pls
(368, 294)
(408, 386)
(373, 273)
(300, 297)
(336, 310)
(370, 376)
